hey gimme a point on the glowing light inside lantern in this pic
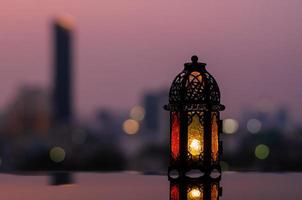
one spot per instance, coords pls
(195, 77)
(195, 194)
(175, 192)
(175, 135)
(195, 147)
(214, 192)
(195, 137)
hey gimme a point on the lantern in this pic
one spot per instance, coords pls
(204, 189)
(195, 126)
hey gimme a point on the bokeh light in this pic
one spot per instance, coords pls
(253, 125)
(262, 151)
(131, 126)
(57, 154)
(137, 113)
(230, 126)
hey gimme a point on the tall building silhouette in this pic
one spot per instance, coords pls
(63, 69)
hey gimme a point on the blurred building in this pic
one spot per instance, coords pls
(156, 122)
(29, 113)
(63, 69)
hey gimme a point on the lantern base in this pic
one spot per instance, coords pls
(194, 173)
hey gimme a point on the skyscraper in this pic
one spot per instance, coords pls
(63, 68)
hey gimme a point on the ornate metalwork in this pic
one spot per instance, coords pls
(193, 92)
(198, 113)
(194, 89)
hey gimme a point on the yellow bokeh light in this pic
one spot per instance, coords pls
(195, 194)
(131, 126)
(230, 126)
(57, 154)
(137, 113)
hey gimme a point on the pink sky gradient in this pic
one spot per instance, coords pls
(124, 47)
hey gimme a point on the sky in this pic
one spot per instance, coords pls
(125, 48)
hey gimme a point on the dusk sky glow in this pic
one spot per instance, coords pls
(127, 47)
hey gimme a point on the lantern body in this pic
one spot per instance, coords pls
(204, 189)
(195, 125)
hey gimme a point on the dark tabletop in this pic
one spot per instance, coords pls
(135, 186)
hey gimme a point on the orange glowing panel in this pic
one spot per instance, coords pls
(195, 138)
(214, 192)
(174, 192)
(175, 132)
(195, 76)
(214, 136)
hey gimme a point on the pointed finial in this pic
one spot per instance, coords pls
(194, 59)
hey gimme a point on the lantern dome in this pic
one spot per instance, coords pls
(194, 89)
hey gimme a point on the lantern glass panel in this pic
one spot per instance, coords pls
(175, 133)
(214, 136)
(174, 192)
(195, 76)
(195, 137)
(214, 192)
(195, 193)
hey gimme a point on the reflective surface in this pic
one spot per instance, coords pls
(132, 186)
(206, 188)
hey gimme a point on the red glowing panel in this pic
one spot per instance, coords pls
(214, 136)
(174, 192)
(175, 132)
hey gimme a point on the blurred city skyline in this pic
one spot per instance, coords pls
(124, 49)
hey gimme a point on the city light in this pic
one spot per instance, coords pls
(66, 21)
(57, 154)
(230, 126)
(137, 113)
(262, 151)
(253, 125)
(131, 126)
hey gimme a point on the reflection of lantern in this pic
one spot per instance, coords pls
(194, 105)
(204, 189)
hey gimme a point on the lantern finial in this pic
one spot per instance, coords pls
(194, 59)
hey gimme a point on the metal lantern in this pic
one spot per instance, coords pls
(195, 126)
(205, 189)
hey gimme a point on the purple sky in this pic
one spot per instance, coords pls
(252, 47)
